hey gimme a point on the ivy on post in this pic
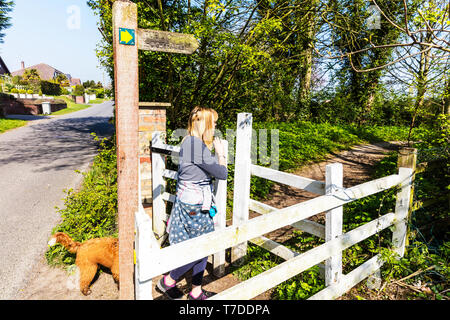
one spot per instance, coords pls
(127, 119)
(407, 159)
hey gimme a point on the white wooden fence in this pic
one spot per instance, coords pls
(151, 260)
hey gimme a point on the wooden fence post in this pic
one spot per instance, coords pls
(333, 222)
(127, 118)
(241, 196)
(407, 158)
(221, 217)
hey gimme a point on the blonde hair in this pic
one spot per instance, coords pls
(201, 124)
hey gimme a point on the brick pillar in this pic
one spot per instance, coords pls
(152, 117)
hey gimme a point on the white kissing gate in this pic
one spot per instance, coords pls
(152, 260)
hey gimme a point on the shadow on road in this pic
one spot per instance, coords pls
(57, 144)
(27, 117)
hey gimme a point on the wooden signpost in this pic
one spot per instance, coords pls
(127, 100)
(127, 40)
(155, 40)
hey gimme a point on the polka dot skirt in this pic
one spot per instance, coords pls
(188, 221)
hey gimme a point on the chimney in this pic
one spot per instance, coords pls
(23, 65)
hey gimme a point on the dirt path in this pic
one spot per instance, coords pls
(54, 283)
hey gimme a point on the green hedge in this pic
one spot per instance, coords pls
(50, 88)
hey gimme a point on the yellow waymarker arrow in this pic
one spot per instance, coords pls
(125, 36)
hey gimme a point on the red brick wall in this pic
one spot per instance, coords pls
(27, 106)
(79, 99)
(151, 118)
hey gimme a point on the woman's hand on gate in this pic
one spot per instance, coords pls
(218, 147)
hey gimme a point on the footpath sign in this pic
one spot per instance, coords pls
(127, 36)
(164, 41)
(128, 39)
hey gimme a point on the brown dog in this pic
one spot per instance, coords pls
(90, 254)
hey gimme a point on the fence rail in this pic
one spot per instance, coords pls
(152, 260)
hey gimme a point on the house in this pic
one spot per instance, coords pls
(45, 71)
(75, 82)
(3, 68)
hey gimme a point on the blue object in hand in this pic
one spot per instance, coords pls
(212, 211)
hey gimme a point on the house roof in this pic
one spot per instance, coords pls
(75, 81)
(3, 68)
(45, 71)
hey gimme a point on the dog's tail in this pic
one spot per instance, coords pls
(66, 241)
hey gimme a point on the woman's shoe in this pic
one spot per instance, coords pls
(202, 296)
(171, 292)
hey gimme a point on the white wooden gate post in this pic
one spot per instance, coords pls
(333, 223)
(220, 218)
(143, 289)
(241, 196)
(159, 186)
(406, 166)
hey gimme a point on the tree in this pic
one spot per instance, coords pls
(78, 91)
(421, 66)
(61, 78)
(426, 74)
(89, 84)
(429, 17)
(31, 75)
(253, 56)
(349, 33)
(5, 8)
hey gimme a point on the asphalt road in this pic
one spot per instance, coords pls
(37, 162)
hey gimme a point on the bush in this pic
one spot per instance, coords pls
(14, 90)
(100, 93)
(78, 91)
(50, 88)
(64, 91)
(29, 91)
(16, 79)
(90, 212)
(9, 87)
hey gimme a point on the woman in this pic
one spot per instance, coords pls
(194, 204)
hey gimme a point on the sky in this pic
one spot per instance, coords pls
(60, 33)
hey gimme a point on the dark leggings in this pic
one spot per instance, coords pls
(198, 267)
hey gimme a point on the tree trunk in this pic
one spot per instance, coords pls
(422, 77)
(446, 98)
(307, 57)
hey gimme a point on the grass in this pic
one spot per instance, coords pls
(8, 124)
(89, 212)
(97, 101)
(92, 211)
(424, 257)
(71, 106)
